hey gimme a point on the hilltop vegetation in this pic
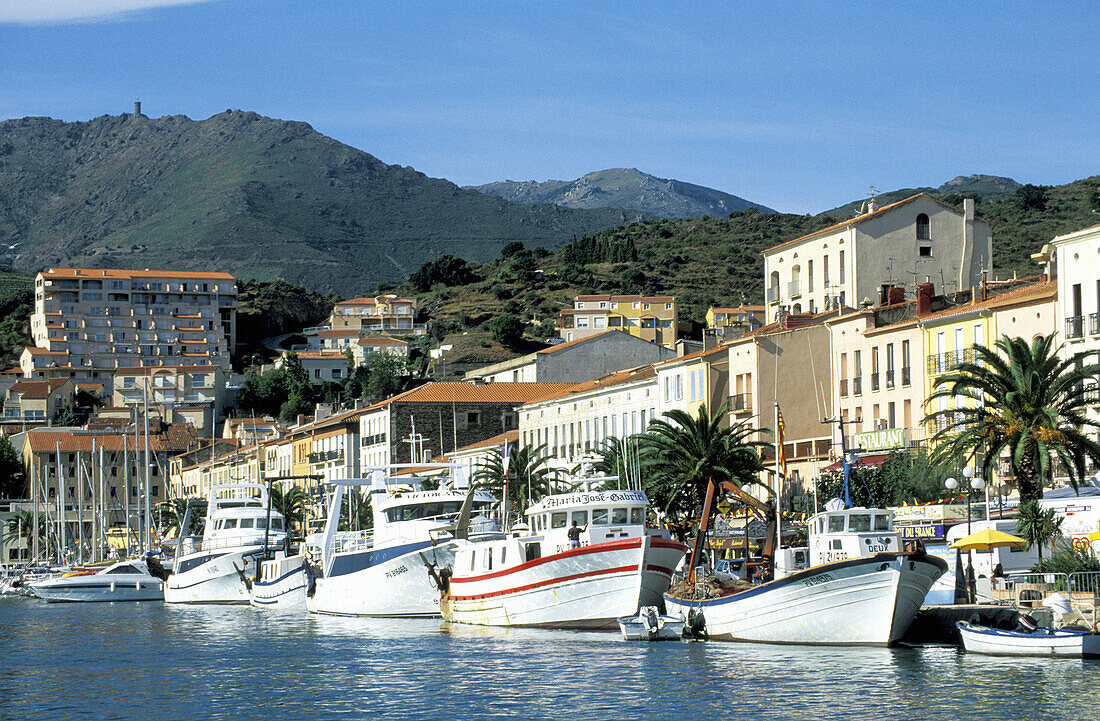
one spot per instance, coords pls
(16, 305)
(253, 196)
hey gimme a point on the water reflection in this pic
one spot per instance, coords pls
(242, 663)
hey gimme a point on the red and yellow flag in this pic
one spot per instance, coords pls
(782, 454)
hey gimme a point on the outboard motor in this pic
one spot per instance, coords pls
(651, 620)
(696, 626)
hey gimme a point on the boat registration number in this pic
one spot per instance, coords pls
(818, 580)
(397, 572)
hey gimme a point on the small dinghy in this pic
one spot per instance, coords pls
(650, 625)
(1029, 640)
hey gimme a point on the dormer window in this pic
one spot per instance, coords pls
(924, 229)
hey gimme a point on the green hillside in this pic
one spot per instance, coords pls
(257, 197)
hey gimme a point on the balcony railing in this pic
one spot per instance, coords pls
(1075, 326)
(943, 362)
(793, 289)
(906, 375)
(874, 381)
(773, 294)
(741, 403)
(889, 378)
(1094, 323)
(843, 387)
(857, 385)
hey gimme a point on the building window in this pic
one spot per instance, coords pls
(925, 251)
(924, 229)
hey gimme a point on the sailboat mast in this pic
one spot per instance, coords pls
(34, 532)
(148, 512)
(778, 493)
(126, 487)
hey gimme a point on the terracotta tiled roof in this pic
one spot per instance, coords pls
(46, 441)
(334, 420)
(607, 381)
(338, 333)
(628, 298)
(35, 350)
(37, 389)
(94, 273)
(14, 370)
(720, 348)
(321, 354)
(374, 301)
(510, 393)
(235, 422)
(1045, 290)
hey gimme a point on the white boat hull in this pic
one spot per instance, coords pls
(395, 581)
(288, 591)
(586, 588)
(96, 589)
(214, 577)
(644, 627)
(867, 601)
(1057, 643)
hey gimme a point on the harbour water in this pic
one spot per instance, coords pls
(123, 661)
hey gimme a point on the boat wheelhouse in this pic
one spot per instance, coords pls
(536, 575)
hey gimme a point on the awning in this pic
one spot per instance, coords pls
(871, 460)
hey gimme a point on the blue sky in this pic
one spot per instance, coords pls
(800, 106)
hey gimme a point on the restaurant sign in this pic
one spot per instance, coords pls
(881, 440)
(923, 531)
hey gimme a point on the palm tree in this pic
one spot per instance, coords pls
(170, 515)
(683, 455)
(1037, 525)
(1027, 403)
(355, 512)
(528, 476)
(293, 504)
(620, 458)
(20, 526)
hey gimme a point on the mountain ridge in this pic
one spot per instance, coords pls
(627, 188)
(255, 196)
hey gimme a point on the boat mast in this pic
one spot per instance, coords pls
(34, 532)
(148, 513)
(60, 510)
(126, 487)
(778, 496)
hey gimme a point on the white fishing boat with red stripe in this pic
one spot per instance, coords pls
(535, 577)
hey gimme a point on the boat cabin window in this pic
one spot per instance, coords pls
(503, 554)
(261, 523)
(619, 515)
(473, 559)
(246, 523)
(882, 522)
(229, 523)
(836, 524)
(599, 517)
(836, 544)
(490, 560)
(580, 518)
(533, 551)
(123, 569)
(637, 516)
(859, 523)
(277, 524)
(418, 511)
(557, 519)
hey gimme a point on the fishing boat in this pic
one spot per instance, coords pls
(283, 582)
(130, 580)
(1038, 641)
(240, 527)
(860, 588)
(651, 625)
(536, 576)
(393, 568)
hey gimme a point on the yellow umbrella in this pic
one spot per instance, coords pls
(986, 540)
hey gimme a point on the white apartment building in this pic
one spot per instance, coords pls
(574, 422)
(174, 389)
(87, 322)
(910, 241)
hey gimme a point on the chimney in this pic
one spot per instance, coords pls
(897, 295)
(301, 419)
(871, 204)
(925, 291)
